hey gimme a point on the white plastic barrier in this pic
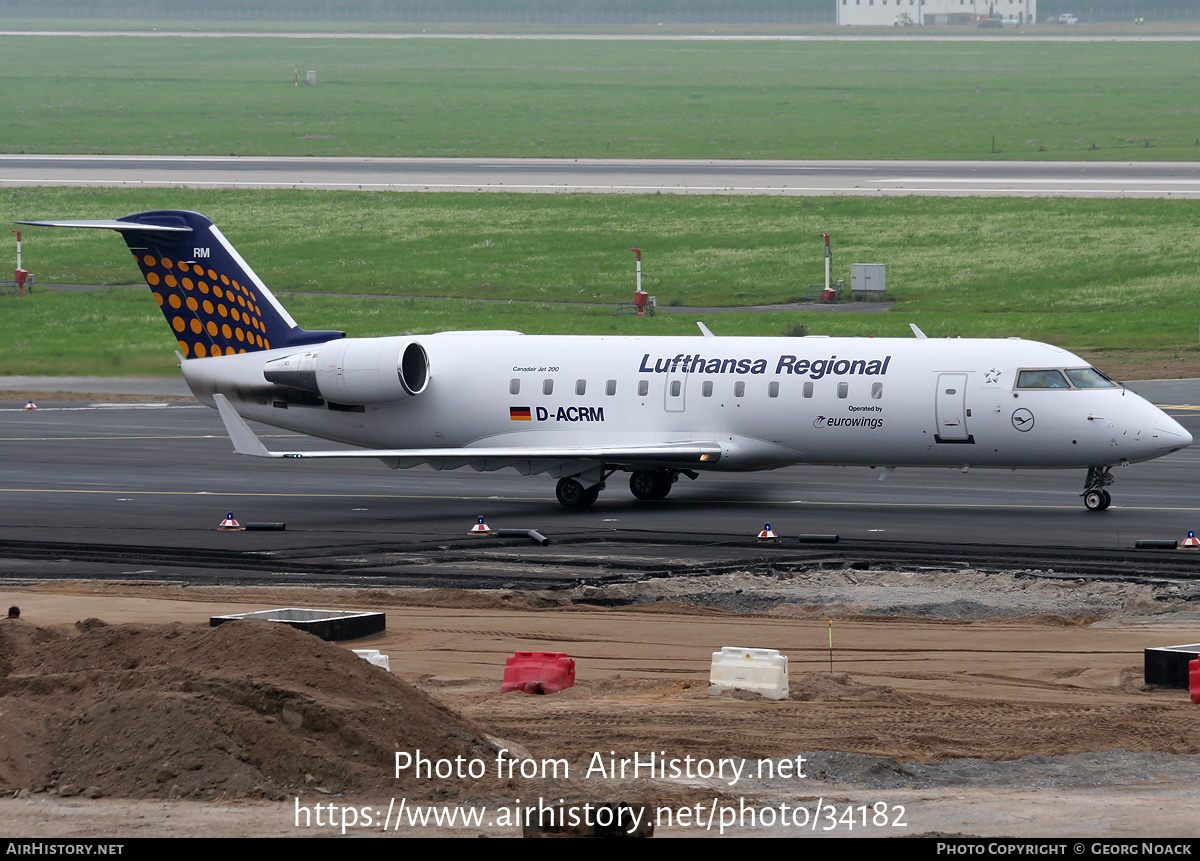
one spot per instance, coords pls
(761, 671)
(373, 656)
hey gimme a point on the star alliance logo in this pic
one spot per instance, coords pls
(992, 376)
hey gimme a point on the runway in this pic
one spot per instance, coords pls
(161, 476)
(881, 178)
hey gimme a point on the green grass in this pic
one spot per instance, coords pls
(1085, 274)
(763, 99)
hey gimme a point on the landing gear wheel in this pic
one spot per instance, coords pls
(1096, 500)
(1095, 497)
(651, 483)
(573, 495)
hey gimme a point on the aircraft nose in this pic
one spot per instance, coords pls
(1147, 432)
(1169, 434)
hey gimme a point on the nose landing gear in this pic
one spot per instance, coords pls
(1095, 497)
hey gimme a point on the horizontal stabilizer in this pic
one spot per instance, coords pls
(110, 224)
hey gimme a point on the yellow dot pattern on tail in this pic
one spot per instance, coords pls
(211, 314)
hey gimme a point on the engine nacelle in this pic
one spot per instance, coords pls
(355, 370)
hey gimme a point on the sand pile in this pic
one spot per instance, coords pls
(248, 709)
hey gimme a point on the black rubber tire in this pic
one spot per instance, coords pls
(650, 484)
(573, 496)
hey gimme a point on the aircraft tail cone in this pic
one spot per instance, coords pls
(481, 529)
(1191, 540)
(229, 523)
(767, 534)
(30, 406)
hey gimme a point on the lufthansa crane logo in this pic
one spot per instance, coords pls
(1022, 420)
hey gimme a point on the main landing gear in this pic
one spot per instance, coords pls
(1095, 497)
(647, 484)
(573, 496)
(652, 483)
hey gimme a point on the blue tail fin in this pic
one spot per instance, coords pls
(213, 301)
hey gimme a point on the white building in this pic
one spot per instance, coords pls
(886, 13)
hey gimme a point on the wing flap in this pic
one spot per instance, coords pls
(481, 457)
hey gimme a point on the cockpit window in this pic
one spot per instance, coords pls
(1042, 379)
(1089, 378)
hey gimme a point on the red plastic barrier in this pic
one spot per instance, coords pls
(538, 672)
(1194, 678)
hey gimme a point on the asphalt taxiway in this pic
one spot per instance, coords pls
(136, 491)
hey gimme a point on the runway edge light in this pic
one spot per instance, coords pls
(480, 529)
(229, 522)
(767, 534)
(1191, 540)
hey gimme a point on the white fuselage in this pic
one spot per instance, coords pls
(767, 402)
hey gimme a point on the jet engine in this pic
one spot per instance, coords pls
(355, 370)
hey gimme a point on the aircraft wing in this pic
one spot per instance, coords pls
(538, 458)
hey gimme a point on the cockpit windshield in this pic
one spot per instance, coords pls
(1089, 378)
(1054, 378)
(1047, 378)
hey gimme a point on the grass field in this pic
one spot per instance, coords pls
(763, 99)
(1089, 275)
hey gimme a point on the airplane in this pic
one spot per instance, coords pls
(581, 409)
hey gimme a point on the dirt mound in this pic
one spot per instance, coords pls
(838, 687)
(248, 709)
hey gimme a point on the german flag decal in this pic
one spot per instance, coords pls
(520, 414)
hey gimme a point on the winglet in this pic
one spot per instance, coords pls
(916, 331)
(705, 330)
(243, 439)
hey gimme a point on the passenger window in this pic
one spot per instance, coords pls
(706, 389)
(514, 387)
(773, 390)
(610, 388)
(547, 387)
(1042, 379)
(580, 387)
(843, 389)
(676, 388)
(739, 388)
(643, 388)
(808, 390)
(876, 391)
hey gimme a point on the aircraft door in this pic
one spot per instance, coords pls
(951, 409)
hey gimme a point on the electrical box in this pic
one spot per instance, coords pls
(868, 281)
